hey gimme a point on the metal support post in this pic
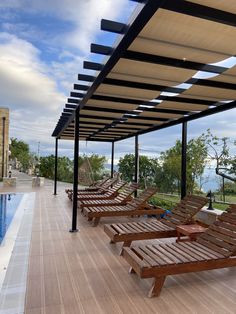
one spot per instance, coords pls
(3, 144)
(76, 172)
(136, 163)
(184, 161)
(55, 169)
(112, 159)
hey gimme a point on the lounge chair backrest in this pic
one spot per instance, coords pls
(143, 197)
(184, 211)
(109, 183)
(100, 182)
(128, 190)
(116, 186)
(221, 236)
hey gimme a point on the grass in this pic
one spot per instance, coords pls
(169, 201)
(228, 198)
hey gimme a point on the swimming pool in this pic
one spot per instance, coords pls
(8, 206)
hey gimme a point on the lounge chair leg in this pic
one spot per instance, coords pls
(90, 218)
(96, 221)
(112, 242)
(157, 285)
(125, 244)
(131, 271)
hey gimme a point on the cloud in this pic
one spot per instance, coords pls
(28, 90)
(85, 17)
(24, 77)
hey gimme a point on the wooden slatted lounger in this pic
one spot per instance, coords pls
(92, 187)
(101, 190)
(109, 194)
(121, 199)
(136, 207)
(152, 229)
(215, 248)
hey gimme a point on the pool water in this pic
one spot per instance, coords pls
(8, 206)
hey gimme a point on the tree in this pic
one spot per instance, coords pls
(230, 188)
(232, 166)
(126, 167)
(96, 164)
(18, 147)
(64, 170)
(171, 169)
(165, 172)
(46, 168)
(196, 162)
(219, 151)
(20, 151)
(147, 169)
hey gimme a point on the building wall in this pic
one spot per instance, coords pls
(4, 141)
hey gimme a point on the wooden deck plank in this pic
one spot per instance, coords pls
(89, 277)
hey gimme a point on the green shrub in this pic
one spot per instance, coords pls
(165, 204)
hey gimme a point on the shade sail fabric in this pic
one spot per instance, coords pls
(162, 73)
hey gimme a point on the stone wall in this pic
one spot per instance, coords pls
(4, 141)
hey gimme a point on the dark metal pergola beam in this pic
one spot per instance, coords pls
(210, 83)
(73, 101)
(147, 86)
(138, 85)
(154, 109)
(75, 94)
(70, 106)
(89, 140)
(93, 66)
(81, 87)
(101, 49)
(186, 100)
(86, 78)
(199, 115)
(200, 11)
(172, 62)
(134, 117)
(112, 26)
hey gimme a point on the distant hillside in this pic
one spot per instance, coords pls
(108, 167)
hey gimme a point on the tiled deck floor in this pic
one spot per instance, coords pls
(82, 272)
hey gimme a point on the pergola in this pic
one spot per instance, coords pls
(172, 63)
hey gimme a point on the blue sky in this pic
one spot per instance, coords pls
(42, 48)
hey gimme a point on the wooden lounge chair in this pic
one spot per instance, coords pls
(109, 194)
(98, 183)
(136, 207)
(215, 248)
(153, 228)
(121, 199)
(102, 189)
(97, 191)
(92, 187)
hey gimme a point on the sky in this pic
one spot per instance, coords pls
(42, 48)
